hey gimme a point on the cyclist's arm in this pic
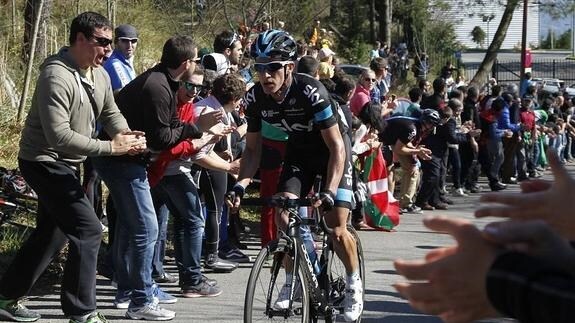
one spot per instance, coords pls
(250, 158)
(336, 163)
(405, 149)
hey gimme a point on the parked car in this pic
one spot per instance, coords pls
(552, 86)
(352, 70)
(570, 90)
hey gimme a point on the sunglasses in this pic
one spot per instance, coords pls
(189, 86)
(102, 41)
(234, 39)
(270, 67)
(131, 40)
(367, 79)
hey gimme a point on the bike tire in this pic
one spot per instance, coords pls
(336, 277)
(264, 285)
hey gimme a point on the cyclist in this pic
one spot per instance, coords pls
(300, 105)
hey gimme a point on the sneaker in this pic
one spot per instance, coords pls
(234, 255)
(150, 312)
(203, 289)
(209, 281)
(161, 296)
(16, 311)
(94, 317)
(458, 192)
(353, 304)
(219, 265)
(413, 209)
(282, 302)
(165, 278)
(122, 303)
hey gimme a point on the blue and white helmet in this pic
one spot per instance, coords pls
(274, 43)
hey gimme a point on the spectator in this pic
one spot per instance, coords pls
(179, 193)
(361, 96)
(148, 103)
(54, 140)
(405, 136)
(436, 100)
(374, 52)
(308, 65)
(120, 65)
(413, 109)
(491, 144)
(311, 35)
(509, 144)
(326, 70)
(382, 84)
(227, 53)
(469, 151)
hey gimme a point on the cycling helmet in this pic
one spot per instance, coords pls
(274, 43)
(430, 116)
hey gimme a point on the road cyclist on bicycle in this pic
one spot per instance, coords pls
(301, 106)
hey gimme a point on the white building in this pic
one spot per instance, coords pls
(465, 17)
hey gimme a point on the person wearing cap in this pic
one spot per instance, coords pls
(325, 57)
(120, 65)
(227, 53)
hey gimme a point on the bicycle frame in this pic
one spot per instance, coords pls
(291, 241)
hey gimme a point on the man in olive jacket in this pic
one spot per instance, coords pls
(72, 93)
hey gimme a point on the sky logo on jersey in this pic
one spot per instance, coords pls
(311, 93)
(294, 127)
(250, 97)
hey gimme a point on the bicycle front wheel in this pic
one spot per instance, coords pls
(264, 285)
(335, 276)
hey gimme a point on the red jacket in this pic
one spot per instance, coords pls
(182, 149)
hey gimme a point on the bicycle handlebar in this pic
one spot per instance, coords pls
(277, 201)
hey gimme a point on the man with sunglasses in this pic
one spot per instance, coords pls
(149, 104)
(72, 94)
(301, 106)
(227, 53)
(120, 65)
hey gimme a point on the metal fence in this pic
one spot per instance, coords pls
(508, 71)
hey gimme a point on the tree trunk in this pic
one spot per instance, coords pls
(30, 14)
(385, 21)
(39, 4)
(484, 70)
(372, 36)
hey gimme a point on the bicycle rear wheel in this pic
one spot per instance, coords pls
(335, 277)
(264, 286)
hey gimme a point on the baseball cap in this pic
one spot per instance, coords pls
(325, 52)
(126, 32)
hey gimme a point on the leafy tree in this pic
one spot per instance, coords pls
(485, 67)
(478, 36)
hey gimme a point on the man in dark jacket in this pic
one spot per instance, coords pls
(149, 105)
(468, 151)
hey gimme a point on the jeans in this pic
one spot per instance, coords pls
(162, 214)
(495, 150)
(136, 226)
(181, 196)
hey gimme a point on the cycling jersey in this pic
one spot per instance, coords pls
(305, 111)
(403, 128)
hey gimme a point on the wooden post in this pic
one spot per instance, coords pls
(30, 62)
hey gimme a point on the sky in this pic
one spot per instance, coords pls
(561, 25)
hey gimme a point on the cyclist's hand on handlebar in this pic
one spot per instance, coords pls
(325, 199)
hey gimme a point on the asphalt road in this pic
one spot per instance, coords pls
(382, 303)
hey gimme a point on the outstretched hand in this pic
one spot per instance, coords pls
(535, 238)
(450, 280)
(551, 202)
(206, 120)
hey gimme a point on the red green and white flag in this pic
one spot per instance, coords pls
(381, 209)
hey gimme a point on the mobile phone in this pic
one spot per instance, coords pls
(393, 97)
